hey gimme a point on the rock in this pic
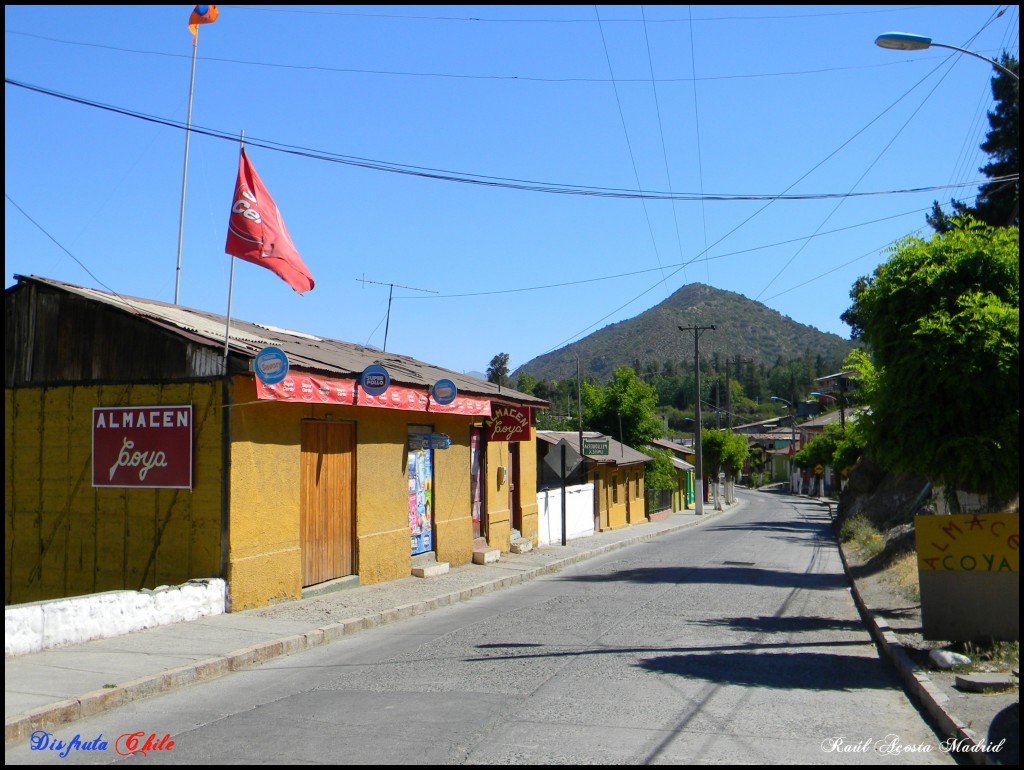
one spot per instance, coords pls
(984, 682)
(946, 659)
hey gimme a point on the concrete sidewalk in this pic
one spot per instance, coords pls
(58, 686)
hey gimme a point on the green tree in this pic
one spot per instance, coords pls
(659, 473)
(628, 398)
(725, 451)
(850, 446)
(999, 200)
(527, 383)
(737, 449)
(941, 318)
(821, 449)
(497, 370)
(548, 421)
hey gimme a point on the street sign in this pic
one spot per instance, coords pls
(819, 469)
(553, 458)
(595, 446)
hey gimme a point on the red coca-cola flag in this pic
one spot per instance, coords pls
(257, 234)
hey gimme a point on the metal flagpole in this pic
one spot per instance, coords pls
(184, 170)
(231, 278)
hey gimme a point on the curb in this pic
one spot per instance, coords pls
(916, 679)
(19, 727)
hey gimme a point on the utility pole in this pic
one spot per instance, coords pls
(699, 472)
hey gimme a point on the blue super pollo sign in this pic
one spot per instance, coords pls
(375, 379)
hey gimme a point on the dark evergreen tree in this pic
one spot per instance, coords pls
(497, 370)
(998, 201)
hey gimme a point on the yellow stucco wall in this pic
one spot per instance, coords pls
(616, 507)
(264, 557)
(637, 509)
(528, 488)
(65, 538)
(613, 515)
(500, 517)
(496, 496)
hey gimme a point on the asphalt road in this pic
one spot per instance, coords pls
(736, 642)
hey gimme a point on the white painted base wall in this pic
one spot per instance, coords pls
(579, 514)
(41, 626)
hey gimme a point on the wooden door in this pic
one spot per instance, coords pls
(327, 501)
(514, 501)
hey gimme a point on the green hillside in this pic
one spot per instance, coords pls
(743, 328)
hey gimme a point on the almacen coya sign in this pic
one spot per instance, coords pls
(968, 575)
(508, 423)
(142, 446)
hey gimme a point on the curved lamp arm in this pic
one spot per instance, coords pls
(904, 41)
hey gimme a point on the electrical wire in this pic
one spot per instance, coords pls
(629, 146)
(479, 179)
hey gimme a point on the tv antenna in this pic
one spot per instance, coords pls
(391, 293)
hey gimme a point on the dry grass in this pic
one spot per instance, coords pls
(902, 573)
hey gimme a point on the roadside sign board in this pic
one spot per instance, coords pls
(595, 446)
(553, 458)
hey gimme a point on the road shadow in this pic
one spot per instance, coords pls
(812, 533)
(737, 574)
(783, 625)
(780, 670)
(781, 665)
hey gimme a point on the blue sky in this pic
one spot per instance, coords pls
(591, 160)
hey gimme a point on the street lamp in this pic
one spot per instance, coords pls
(904, 41)
(792, 441)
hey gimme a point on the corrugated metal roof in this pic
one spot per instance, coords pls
(672, 446)
(304, 351)
(618, 454)
(682, 464)
(676, 448)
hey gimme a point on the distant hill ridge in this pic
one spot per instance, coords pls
(743, 327)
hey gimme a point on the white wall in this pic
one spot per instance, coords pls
(39, 626)
(579, 514)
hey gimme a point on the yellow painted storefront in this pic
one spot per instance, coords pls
(264, 551)
(259, 466)
(618, 495)
(66, 538)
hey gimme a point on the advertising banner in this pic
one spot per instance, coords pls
(421, 478)
(308, 389)
(142, 446)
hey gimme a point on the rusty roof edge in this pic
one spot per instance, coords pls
(305, 351)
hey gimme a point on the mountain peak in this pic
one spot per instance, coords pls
(743, 328)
